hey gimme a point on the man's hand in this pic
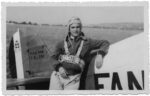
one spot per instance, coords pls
(98, 61)
(82, 64)
(62, 72)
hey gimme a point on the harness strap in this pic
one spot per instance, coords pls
(80, 48)
(66, 48)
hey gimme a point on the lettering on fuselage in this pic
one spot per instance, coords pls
(37, 53)
(115, 82)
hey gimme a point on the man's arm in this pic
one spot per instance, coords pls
(100, 49)
(57, 52)
(58, 66)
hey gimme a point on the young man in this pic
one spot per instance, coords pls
(73, 55)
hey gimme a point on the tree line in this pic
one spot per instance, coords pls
(26, 23)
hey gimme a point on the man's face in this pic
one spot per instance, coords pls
(75, 29)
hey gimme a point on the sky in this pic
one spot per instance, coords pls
(88, 15)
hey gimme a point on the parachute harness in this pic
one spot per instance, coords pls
(74, 59)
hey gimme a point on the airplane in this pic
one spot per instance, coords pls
(123, 68)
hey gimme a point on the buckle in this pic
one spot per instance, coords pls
(70, 59)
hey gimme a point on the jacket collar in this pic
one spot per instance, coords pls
(80, 37)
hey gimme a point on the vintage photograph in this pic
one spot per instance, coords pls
(52, 48)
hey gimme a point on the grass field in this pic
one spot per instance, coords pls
(50, 35)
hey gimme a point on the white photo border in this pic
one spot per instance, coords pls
(83, 92)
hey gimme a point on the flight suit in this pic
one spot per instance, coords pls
(101, 47)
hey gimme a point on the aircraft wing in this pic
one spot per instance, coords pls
(26, 81)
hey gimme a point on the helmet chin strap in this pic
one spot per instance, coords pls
(72, 37)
